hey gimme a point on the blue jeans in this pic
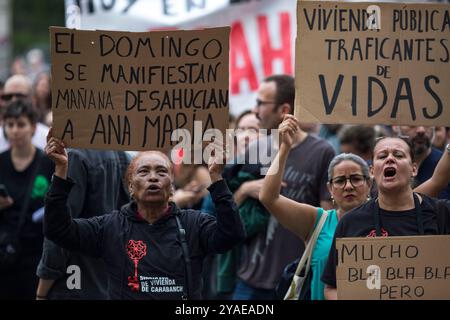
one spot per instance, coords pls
(243, 291)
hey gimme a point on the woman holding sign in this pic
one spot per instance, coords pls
(152, 249)
(397, 211)
(349, 184)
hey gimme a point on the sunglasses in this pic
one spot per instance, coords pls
(9, 96)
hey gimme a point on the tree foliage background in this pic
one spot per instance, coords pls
(30, 23)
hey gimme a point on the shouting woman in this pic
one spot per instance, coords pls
(152, 249)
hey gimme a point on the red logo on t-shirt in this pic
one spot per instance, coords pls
(373, 233)
(136, 250)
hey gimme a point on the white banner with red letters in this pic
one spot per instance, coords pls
(262, 35)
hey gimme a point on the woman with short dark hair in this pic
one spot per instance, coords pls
(25, 174)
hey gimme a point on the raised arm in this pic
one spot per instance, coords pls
(440, 179)
(227, 230)
(297, 217)
(84, 235)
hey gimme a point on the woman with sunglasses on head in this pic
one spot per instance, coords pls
(349, 184)
(398, 210)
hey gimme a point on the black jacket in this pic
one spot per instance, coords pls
(145, 261)
(98, 190)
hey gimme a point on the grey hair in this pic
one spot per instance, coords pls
(348, 157)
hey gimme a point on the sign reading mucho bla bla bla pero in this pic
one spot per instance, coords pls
(393, 268)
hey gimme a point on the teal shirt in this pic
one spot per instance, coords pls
(320, 252)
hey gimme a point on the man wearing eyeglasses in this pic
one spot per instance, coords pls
(267, 252)
(19, 87)
(425, 154)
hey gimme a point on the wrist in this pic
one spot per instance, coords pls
(216, 177)
(61, 172)
(284, 149)
(243, 189)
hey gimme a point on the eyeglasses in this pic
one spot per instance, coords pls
(259, 103)
(9, 96)
(356, 180)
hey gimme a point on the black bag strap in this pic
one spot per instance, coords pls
(441, 216)
(377, 218)
(187, 260)
(26, 202)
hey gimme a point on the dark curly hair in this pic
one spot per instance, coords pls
(285, 90)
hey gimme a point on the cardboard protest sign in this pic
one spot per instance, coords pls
(373, 63)
(416, 267)
(130, 91)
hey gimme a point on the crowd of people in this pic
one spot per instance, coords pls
(137, 226)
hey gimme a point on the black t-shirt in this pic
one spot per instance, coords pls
(360, 222)
(17, 183)
(265, 256)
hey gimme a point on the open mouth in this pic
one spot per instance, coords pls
(153, 188)
(390, 172)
